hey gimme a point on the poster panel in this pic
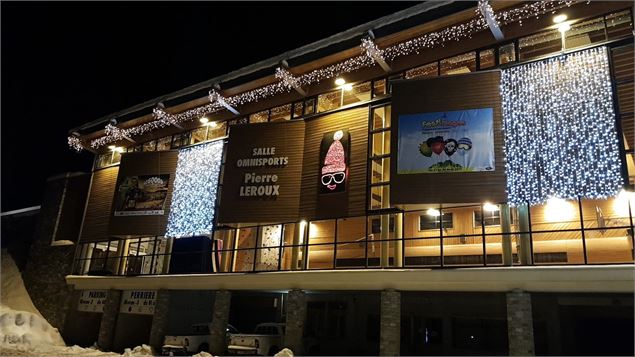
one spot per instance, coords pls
(142, 195)
(452, 141)
(92, 300)
(334, 161)
(140, 302)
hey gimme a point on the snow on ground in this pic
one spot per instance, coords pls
(23, 330)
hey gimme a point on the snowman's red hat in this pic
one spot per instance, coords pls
(335, 161)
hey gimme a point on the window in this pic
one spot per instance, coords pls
(297, 109)
(487, 58)
(432, 221)
(507, 53)
(464, 63)
(341, 97)
(309, 106)
(490, 218)
(260, 117)
(619, 24)
(379, 88)
(428, 70)
(163, 144)
(150, 145)
(282, 112)
(217, 131)
(199, 135)
(243, 120)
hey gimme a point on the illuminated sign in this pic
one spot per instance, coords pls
(334, 161)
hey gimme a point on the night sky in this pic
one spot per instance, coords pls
(65, 64)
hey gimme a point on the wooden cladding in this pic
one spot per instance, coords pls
(238, 205)
(623, 74)
(144, 163)
(99, 206)
(299, 179)
(441, 94)
(352, 202)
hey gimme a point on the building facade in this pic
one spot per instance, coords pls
(461, 183)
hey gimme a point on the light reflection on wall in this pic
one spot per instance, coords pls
(195, 186)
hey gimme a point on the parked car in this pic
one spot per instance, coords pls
(267, 339)
(198, 341)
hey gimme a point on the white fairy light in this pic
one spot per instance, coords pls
(75, 143)
(412, 46)
(195, 190)
(287, 78)
(560, 129)
(371, 50)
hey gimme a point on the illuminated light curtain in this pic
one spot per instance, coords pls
(560, 129)
(195, 189)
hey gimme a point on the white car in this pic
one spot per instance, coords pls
(198, 341)
(267, 340)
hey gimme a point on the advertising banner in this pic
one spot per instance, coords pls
(140, 302)
(453, 141)
(334, 161)
(142, 195)
(92, 300)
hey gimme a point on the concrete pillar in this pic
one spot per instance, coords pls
(218, 327)
(296, 316)
(507, 238)
(520, 326)
(160, 320)
(390, 325)
(524, 250)
(109, 320)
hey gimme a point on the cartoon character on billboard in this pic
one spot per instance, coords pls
(334, 153)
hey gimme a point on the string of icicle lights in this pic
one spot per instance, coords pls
(560, 130)
(195, 190)
(287, 81)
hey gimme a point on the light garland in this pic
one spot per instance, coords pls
(75, 143)
(195, 190)
(365, 59)
(287, 78)
(560, 130)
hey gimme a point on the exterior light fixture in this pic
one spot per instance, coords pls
(204, 120)
(490, 207)
(340, 82)
(559, 18)
(558, 210)
(433, 212)
(112, 147)
(564, 27)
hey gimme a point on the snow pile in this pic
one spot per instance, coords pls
(143, 350)
(285, 352)
(26, 328)
(202, 354)
(24, 332)
(21, 324)
(13, 293)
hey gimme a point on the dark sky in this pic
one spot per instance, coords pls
(64, 64)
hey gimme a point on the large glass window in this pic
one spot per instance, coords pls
(433, 219)
(321, 239)
(344, 96)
